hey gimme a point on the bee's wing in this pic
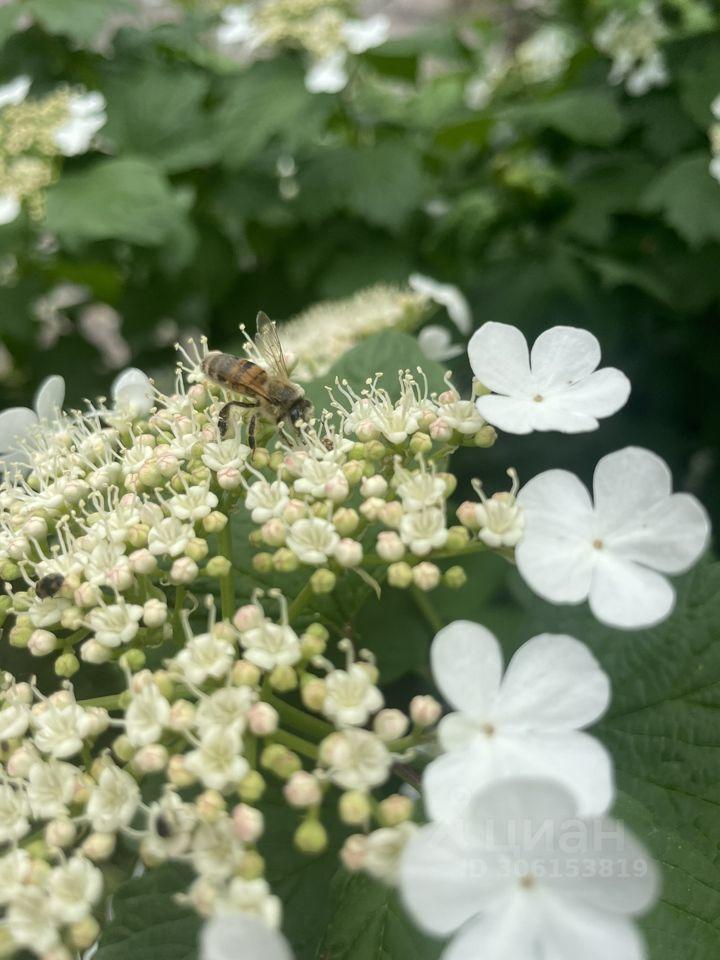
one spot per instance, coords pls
(268, 344)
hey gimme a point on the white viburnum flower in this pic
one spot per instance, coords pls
(14, 813)
(617, 551)
(30, 923)
(227, 936)
(555, 387)
(218, 761)
(446, 295)
(132, 394)
(50, 789)
(204, 656)
(328, 75)
(356, 759)
(18, 423)
(266, 500)
(146, 716)
(527, 723)
(424, 530)
(436, 343)
(86, 116)
(15, 91)
(313, 540)
(170, 537)
(15, 871)
(225, 709)
(113, 801)
(523, 877)
(73, 889)
(115, 624)
(351, 697)
(60, 726)
(10, 207)
(271, 645)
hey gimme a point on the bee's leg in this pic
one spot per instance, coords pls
(224, 415)
(252, 426)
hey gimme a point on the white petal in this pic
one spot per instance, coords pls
(130, 377)
(626, 484)
(553, 683)
(552, 413)
(526, 801)
(715, 107)
(561, 356)
(328, 75)
(452, 780)
(500, 360)
(508, 414)
(437, 885)
(624, 594)
(508, 932)
(436, 343)
(15, 91)
(15, 423)
(362, 35)
(467, 666)
(49, 398)
(559, 570)
(233, 936)
(448, 296)
(458, 731)
(599, 395)
(670, 537)
(9, 208)
(571, 930)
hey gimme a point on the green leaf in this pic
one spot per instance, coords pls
(663, 730)
(80, 19)
(699, 77)
(384, 353)
(588, 116)
(688, 197)
(368, 923)
(383, 185)
(125, 199)
(155, 111)
(604, 190)
(148, 923)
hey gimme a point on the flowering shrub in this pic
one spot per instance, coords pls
(186, 698)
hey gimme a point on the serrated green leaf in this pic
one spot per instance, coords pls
(688, 197)
(368, 923)
(147, 922)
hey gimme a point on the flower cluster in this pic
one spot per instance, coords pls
(33, 133)
(195, 562)
(321, 28)
(632, 41)
(714, 135)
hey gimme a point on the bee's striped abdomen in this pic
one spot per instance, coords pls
(237, 374)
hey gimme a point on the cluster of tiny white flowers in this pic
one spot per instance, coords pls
(631, 40)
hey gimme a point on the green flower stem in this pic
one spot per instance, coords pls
(305, 723)
(250, 744)
(178, 636)
(426, 608)
(475, 546)
(227, 583)
(75, 638)
(110, 702)
(300, 602)
(294, 743)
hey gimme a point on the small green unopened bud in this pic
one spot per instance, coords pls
(134, 660)
(375, 450)
(458, 538)
(311, 837)
(354, 471)
(138, 535)
(285, 561)
(421, 443)
(245, 674)
(251, 787)
(485, 437)
(400, 574)
(197, 549)
(357, 452)
(214, 522)
(312, 645)
(345, 521)
(450, 481)
(84, 933)
(283, 679)
(67, 665)
(218, 567)
(354, 808)
(323, 581)
(280, 761)
(9, 570)
(123, 749)
(260, 458)
(394, 810)
(455, 578)
(20, 635)
(262, 562)
(256, 538)
(21, 601)
(252, 866)
(276, 460)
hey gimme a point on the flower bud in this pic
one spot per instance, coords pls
(138, 535)
(123, 748)
(285, 561)
(245, 674)
(154, 613)
(374, 486)
(93, 652)
(167, 464)
(394, 810)
(84, 933)
(280, 761)
(133, 660)
(485, 437)
(313, 694)
(67, 665)
(440, 430)
(72, 618)
(337, 488)
(262, 719)
(455, 578)
(312, 645)
(60, 833)
(323, 581)
(345, 521)
(353, 471)
(303, 790)
(426, 576)
(251, 787)
(458, 538)
(9, 571)
(295, 510)
(218, 567)
(182, 715)
(248, 617)
(197, 549)
(467, 515)
(184, 570)
(425, 711)
(262, 562)
(311, 837)
(389, 546)
(20, 761)
(260, 458)
(143, 562)
(400, 575)
(283, 678)
(41, 642)
(210, 805)
(87, 595)
(178, 773)
(99, 847)
(366, 431)
(420, 443)
(151, 759)
(391, 513)
(354, 808)
(348, 553)
(229, 478)
(354, 852)
(273, 532)
(252, 866)
(248, 823)
(214, 522)
(390, 724)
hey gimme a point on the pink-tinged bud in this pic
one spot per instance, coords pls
(425, 711)
(198, 395)
(440, 430)
(303, 790)
(354, 852)
(214, 522)
(87, 595)
(274, 532)
(182, 715)
(151, 759)
(353, 471)
(41, 643)
(295, 510)
(20, 761)
(426, 576)
(375, 486)
(355, 808)
(467, 515)
(313, 694)
(248, 823)
(262, 719)
(93, 652)
(229, 478)
(348, 553)
(178, 773)
(154, 613)
(143, 562)
(391, 513)
(210, 805)
(99, 846)
(448, 396)
(371, 508)
(184, 570)
(389, 546)
(245, 674)
(97, 719)
(337, 489)
(394, 810)
(248, 617)
(60, 833)
(36, 528)
(390, 725)
(366, 430)
(345, 521)
(168, 464)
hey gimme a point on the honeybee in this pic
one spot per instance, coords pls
(49, 585)
(275, 396)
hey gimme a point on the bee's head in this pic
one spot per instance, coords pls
(301, 410)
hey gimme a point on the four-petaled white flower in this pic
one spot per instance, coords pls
(523, 877)
(616, 551)
(227, 936)
(18, 423)
(527, 723)
(555, 387)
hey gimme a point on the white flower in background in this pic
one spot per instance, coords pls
(356, 759)
(351, 696)
(15, 869)
(523, 877)
(14, 813)
(15, 91)
(218, 761)
(229, 936)
(60, 726)
(271, 645)
(10, 207)
(436, 343)
(448, 296)
(204, 656)
(632, 40)
(18, 423)
(73, 889)
(146, 716)
(132, 393)
(557, 386)
(384, 849)
(113, 801)
(527, 723)
(237, 27)
(614, 552)
(714, 134)
(50, 788)
(86, 116)
(329, 74)
(545, 55)
(30, 923)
